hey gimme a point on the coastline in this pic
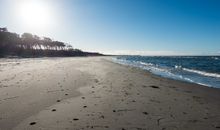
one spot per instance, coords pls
(163, 77)
(182, 68)
(100, 95)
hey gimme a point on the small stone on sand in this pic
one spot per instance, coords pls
(32, 123)
(145, 113)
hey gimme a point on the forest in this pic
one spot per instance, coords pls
(29, 45)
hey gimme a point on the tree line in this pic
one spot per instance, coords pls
(29, 45)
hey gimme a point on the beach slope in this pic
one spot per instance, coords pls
(95, 93)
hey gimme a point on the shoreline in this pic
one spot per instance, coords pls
(188, 85)
(95, 93)
(140, 69)
(177, 72)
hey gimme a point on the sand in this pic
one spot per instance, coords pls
(95, 93)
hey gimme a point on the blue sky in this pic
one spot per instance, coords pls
(147, 27)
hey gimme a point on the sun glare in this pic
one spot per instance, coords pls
(35, 14)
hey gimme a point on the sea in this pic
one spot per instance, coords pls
(203, 70)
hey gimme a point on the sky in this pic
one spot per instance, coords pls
(139, 27)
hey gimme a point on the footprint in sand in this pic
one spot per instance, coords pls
(96, 80)
(205, 118)
(144, 86)
(188, 91)
(193, 121)
(196, 97)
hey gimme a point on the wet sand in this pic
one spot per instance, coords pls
(95, 93)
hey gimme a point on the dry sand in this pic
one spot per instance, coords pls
(94, 93)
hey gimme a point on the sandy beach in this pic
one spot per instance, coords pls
(95, 93)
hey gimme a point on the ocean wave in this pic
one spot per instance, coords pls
(151, 67)
(147, 64)
(178, 67)
(204, 84)
(202, 73)
(215, 58)
(188, 79)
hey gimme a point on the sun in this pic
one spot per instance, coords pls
(34, 14)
